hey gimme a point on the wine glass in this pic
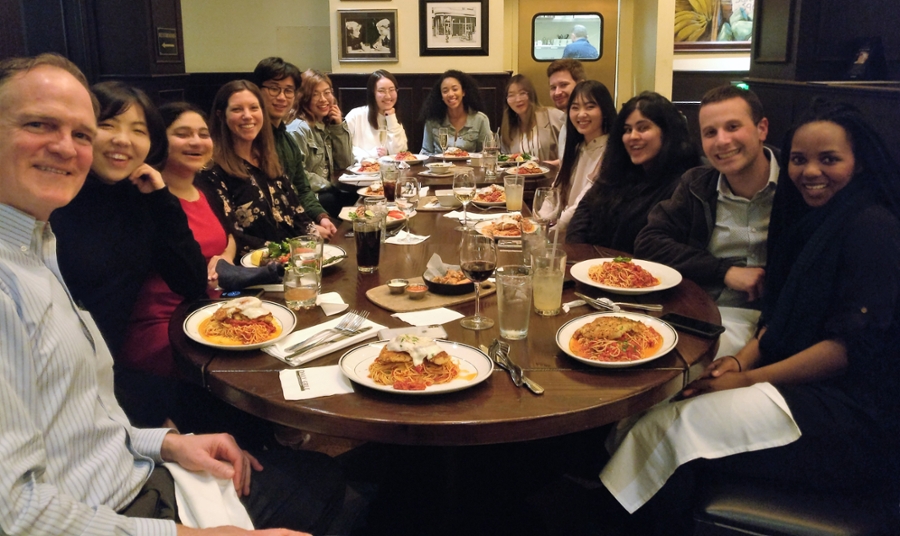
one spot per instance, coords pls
(547, 207)
(443, 139)
(382, 142)
(477, 258)
(464, 190)
(407, 200)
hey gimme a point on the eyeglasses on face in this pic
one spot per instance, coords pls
(327, 94)
(387, 91)
(274, 91)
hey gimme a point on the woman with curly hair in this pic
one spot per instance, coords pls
(649, 149)
(454, 103)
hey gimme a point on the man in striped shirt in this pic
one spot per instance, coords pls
(70, 462)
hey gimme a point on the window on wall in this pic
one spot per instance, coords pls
(567, 35)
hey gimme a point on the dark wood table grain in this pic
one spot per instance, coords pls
(577, 397)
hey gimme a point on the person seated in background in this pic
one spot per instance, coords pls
(528, 127)
(123, 228)
(324, 139)
(811, 402)
(590, 117)
(580, 47)
(251, 187)
(454, 103)
(378, 117)
(278, 81)
(649, 149)
(562, 75)
(70, 462)
(713, 229)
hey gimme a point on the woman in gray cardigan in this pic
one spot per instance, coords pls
(527, 126)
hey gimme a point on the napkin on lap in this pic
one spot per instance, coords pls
(277, 350)
(441, 315)
(313, 382)
(205, 501)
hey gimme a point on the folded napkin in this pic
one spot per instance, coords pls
(423, 191)
(233, 277)
(205, 501)
(277, 350)
(301, 384)
(574, 303)
(441, 315)
(331, 303)
(401, 239)
(458, 214)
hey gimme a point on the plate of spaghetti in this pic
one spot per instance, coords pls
(506, 226)
(622, 275)
(366, 166)
(491, 196)
(616, 339)
(413, 365)
(240, 324)
(405, 156)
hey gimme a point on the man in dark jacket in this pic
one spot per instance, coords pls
(713, 230)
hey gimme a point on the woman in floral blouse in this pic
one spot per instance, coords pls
(256, 196)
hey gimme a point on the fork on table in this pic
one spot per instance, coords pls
(350, 323)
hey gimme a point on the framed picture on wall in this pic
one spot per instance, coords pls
(713, 25)
(368, 35)
(453, 28)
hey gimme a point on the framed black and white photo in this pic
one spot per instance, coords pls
(453, 28)
(368, 35)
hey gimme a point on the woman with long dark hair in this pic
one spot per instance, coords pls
(378, 115)
(454, 103)
(528, 127)
(253, 192)
(812, 400)
(589, 117)
(649, 149)
(124, 226)
(324, 139)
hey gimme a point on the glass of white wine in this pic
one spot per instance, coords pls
(407, 201)
(382, 149)
(547, 207)
(443, 140)
(464, 190)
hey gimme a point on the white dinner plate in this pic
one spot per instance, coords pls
(328, 252)
(670, 338)
(282, 315)
(391, 221)
(511, 170)
(419, 159)
(356, 169)
(451, 158)
(364, 191)
(668, 277)
(475, 201)
(435, 175)
(474, 367)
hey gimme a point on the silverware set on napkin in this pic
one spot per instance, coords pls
(349, 326)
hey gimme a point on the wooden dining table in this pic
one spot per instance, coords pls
(577, 397)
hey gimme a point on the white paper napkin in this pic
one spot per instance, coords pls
(457, 214)
(574, 303)
(205, 501)
(313, 382)
(423, 191)
(401, 239)
(277, 350)
(441, 315)
(331, 303)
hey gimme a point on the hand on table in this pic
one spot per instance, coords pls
(217, 454)
(326, 228)
(749, 280)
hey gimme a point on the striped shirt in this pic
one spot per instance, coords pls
(69, 459)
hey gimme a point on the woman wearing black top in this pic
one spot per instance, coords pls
(648, 150)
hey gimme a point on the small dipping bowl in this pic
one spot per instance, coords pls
(439, 167)
(447, 199)
(397, 286)
(417, 291)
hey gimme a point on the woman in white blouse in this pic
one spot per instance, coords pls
(379, 114)
(590, 116)
(528, 127)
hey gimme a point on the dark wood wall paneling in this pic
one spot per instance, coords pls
(688, 87)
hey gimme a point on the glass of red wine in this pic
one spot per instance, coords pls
(477, 258)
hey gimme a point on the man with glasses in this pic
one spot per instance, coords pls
(278, 81)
